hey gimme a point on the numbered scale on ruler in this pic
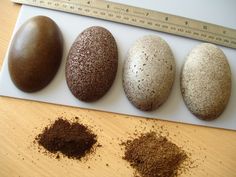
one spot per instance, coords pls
(144, 18)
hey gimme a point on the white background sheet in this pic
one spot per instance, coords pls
(220, 12)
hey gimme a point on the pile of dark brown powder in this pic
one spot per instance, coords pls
(154, 156)
(74, 140)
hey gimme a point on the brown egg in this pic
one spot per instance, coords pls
(92, 64)
(35, 54)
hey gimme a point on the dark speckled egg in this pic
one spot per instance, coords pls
(92, 64)
(35, 54)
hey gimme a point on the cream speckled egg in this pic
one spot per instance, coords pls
(148, 73)
(206, 81)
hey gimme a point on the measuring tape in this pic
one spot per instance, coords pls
(144, 18)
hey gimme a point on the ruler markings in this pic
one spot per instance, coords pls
(184, 26)
(174, 24)
(144, 18)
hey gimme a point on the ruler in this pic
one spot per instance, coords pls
(144, 18)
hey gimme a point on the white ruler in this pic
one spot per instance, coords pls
(144, 18)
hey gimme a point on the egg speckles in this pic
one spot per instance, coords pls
(92, 64)
(206, 81)
(149, 73)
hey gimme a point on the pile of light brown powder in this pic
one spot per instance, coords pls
(154, 156)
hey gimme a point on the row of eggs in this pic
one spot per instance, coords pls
(91, 66)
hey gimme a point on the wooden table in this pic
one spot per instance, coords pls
(213, 150)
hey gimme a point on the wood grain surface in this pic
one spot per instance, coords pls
(212, 150)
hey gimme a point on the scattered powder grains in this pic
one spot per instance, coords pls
(74, 140)
(154, 156)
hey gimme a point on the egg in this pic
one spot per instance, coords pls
(206, 81)
(92, 64)
(35, 54)
(148, 73)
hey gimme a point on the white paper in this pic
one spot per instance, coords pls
(115, 100)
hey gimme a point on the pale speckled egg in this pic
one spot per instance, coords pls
(206, 81)
(148, 73)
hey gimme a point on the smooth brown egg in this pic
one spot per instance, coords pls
(35, 54)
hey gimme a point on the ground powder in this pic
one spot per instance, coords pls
(74, 140)
(153, 156)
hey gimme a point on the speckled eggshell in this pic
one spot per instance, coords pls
(149, 73)
(206, 81)
(92, 64)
